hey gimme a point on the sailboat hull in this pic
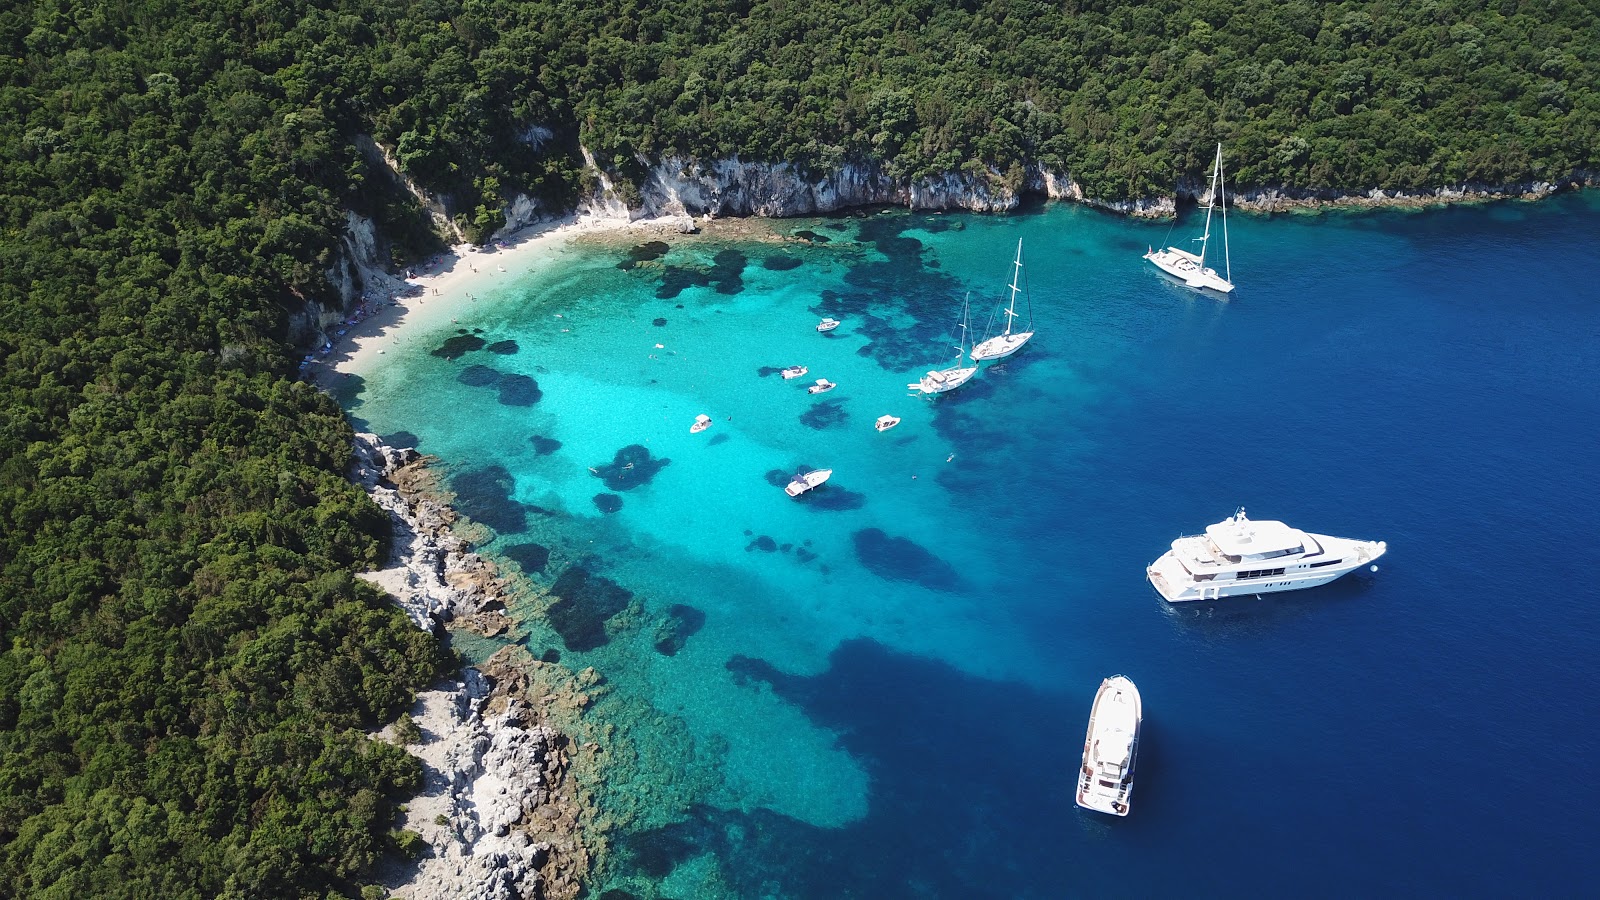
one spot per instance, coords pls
(1000, 346)
(941, 380)
(1186, 267)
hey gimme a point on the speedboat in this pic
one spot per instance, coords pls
(822, 386)
(828, 324)
(793, 372)
(805, 481)
(1105, 780)
(701, 423)
(885, 423)
(1239, 556)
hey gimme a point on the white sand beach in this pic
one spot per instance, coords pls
(436, 289)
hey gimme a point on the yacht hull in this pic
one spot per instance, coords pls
(1175, 584)
(941, 381)
(1000, 347)
(1186, 267)
(1111, 748)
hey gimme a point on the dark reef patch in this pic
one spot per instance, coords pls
(583, 604)
(657, 853)
(807, 234)
(658, 322)
(781, 262)
(804, 555)
(902, 559)
(727, 271)
(677, 279)
(827, 414)
(519, 390)
(631, 467)
(543, 446)
(877, 292)
(607, 503)
(459, 346)
(531, 557)
(762, 543)
(504, 348)
(400, 439)
(680, 624)
(478, 376)
(647, 252)
(551, 655)
(888, 709)
(485, 495)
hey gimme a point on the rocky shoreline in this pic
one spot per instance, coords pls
(732, 187)
(500, 813)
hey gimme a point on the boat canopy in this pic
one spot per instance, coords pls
(1255, 540)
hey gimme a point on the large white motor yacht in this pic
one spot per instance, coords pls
(1105, 782)
(1238, 556)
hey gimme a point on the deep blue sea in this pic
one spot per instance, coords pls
(880, 690)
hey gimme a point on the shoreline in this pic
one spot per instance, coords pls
(480, 732)
(432, 290)
(502, 809)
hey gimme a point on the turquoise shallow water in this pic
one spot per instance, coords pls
(886, 682)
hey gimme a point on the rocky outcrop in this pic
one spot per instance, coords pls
(357, 277)
(432, 572)
(1282, 199)
(521, 212)
(734, 187)
(496, 813)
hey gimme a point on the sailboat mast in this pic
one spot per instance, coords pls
(1227, 263)
(1211, 204)
(961, 348)
(1016, 276)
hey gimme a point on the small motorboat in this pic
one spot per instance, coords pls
(885, 423)
(828, 324)
(805, 481)
(793, 372)
(822, 386)
(701, 423)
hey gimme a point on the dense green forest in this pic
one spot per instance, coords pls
(186, 662)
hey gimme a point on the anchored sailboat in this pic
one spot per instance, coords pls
(1191, 268)
(939, 381)
(1008, 342)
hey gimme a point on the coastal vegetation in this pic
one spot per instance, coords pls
(187, 665)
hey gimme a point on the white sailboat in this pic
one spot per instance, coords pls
(1191, 268)
(1008, 342)
(939, 381)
